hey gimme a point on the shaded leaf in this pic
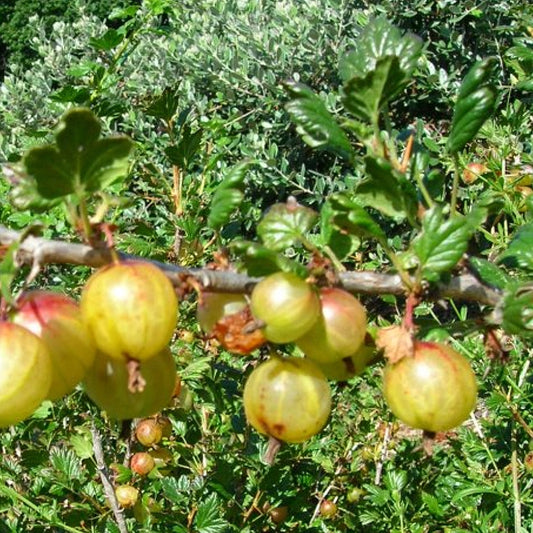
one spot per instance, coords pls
(105, 162)
(285, 225)
(314, 122)
(165, 105)
(475, 104)
(262, 261)
(353, 219)
(341, 244)
(228, 195)
(77, 161)
(365, 96)
(517, 311)
(187, 147)
(442, 243)
(109, 40)
(387, 190)
(519, 253)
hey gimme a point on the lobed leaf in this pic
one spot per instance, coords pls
(285, 225)
(77, 162)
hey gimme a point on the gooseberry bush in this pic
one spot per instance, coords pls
(359, 302)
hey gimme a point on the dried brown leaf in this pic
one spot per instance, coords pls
(396, 342)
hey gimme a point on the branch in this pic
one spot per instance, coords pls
(38, 252)
(106, 482)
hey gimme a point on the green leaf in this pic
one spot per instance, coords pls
(262, 261)
(224, 202)
(378, 69)
(175, 489)
(314, 122)
(187, 147)
(442, 242)
(350, 217)
(519, 253)
(109, 40)
(380, 39)
(432, 504)
(489, 273)
(77, 162)
(285, 225)
(165, 105)
(66, 462)
(105, 162)
(387, 190)
(53, 175)
(208, 517)
(341, 244)
(364, 97)
(517, 311)
(8, 271)
(228, 195)
(82, 443)
(475, 104)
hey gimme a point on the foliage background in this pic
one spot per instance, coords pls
(221, 65)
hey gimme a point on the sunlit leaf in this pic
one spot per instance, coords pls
(285, 225)
(442, 243)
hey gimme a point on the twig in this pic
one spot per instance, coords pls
(384, 453)
(106, 482)
(36, 250)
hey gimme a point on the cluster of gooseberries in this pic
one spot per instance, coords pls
(149, 433)
(432, 388)
(115, 342)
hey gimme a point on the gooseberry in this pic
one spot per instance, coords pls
(149, 432)
(348, 367)
(278, 515)
(26, 373)
(434, 389)
(328, 508)
(131, 309)
(108, 382)
(126, 495)
(142, 463)
(340, 329)
(57, 320)
(287, 398)
(214, 306)
(286, 304)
